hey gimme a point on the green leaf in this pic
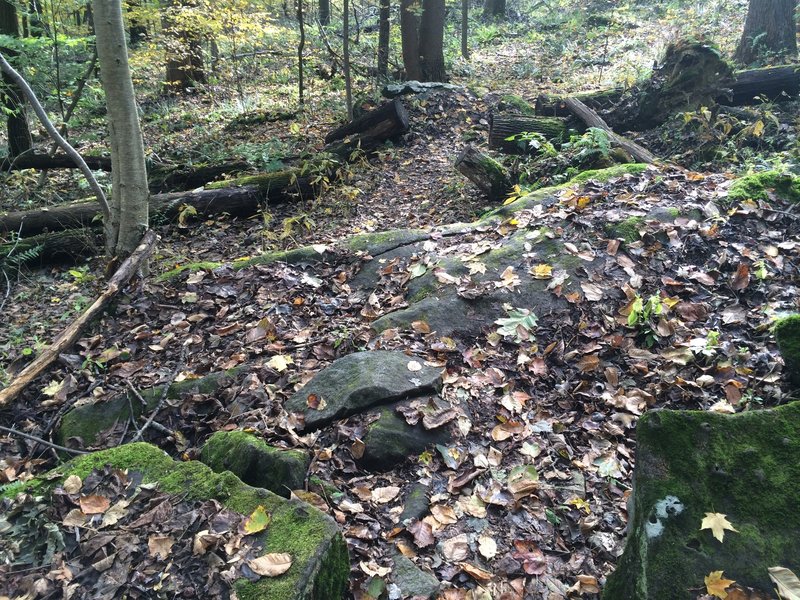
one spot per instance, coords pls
(258, 521)
(517, 317)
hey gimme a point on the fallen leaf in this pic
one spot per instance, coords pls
(487, 547)
(542, 271)
(476, 572)
(280, 362)
(271, 565)
(316, 402)
(741, 279)
(94, 505)
(787, 582)
(72, 484)
(422, 532)
(160, 545)
(456, 548)
(717, 523)
(715, 584)
(386, 494)
(258, 521)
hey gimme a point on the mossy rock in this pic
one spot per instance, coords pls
(85, 421)
(384, 241)
(787, 334)
(304, 254)
(255, 462)
(628, 230)
(190, 267)
(390, 440)
(320, 566)
(358, 381)
(758, 186)
(689, 463)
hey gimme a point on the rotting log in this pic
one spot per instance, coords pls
(485, 172)
(553, 106)
(503, 126)
(774, 83)
(164, 178)
(47, 248)
(68, 336)
(385, 122)
(592, 119)
(58, 161)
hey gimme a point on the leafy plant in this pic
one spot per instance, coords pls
(643, 313)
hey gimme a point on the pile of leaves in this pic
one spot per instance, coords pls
(110, 536)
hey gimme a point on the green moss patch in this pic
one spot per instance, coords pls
(191, 268)
(320, 563)
(689, 463)
(255, 462)
(609, 173)
(759, 185)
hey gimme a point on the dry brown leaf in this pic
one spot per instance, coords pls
(456, 548)
(422, 532)
(160, 545)
(72, 484)
(271, 565)
(94, 505)
(382, 495)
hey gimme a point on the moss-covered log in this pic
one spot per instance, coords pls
(553, 106)
(175, 178)
(485, 172)
(502, 127)
(773, 83)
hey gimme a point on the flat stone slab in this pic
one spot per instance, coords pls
(360, 381)
(690, 463)
(320, 564)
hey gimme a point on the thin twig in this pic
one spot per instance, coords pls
(39, 440)
(53, 132)
(163, 398)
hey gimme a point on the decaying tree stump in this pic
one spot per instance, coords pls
(485, 172)
(503, 126)
(385, 122)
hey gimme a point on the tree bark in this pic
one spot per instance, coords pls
(69, 336)
(502, 127)
(19, 135)
(348, 84)
(465, 29)
(383, 39)
(324, 12)
(769, 32)
(47, 248)
(494, 9)
(57, 161)
(485, 172)
(409, 37)
(129, 202)
(431, 41)
(300, 46)
(184, 50)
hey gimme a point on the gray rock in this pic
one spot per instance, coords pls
(416, 87)
(689, 463)
(416, 503)
(360, 381)
(255, 462)
(412, 580)
(390, 440)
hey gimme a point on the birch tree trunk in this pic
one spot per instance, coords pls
(129, 198)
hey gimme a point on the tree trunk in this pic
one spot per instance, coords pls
(348, 84)
(409, 37)
(494, 9)
(129, 202)
(431, 41)
(137, 29)
(769, 32)
(19, 135)
(383, 39)
(300, 47)
(485, 172)
(184, 50)
(324, 12)
(465, 29)
(502, 127)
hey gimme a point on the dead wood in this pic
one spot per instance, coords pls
(592, 119)
(66, 338)
(485, 172)
(504, 126)
(385, 122)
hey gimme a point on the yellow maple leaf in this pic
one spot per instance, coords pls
(717, 523)
(715, 584)
(542, 271)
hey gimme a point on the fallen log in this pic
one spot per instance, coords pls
(66, 338)
(47, 248)
(773, 83)
(385, 122)
(592, 119)
(776, 84)
(57, 161)
(164, 178)
(485, 172)
(504, 126)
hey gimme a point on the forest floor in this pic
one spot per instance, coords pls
(575, 390)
